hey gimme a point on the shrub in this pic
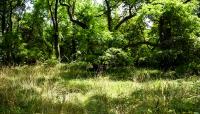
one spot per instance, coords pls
(192, 68)
(51, 62)
(115, 57)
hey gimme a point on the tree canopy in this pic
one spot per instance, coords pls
(145, 33)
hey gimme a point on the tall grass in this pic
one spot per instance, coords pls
(72, 89)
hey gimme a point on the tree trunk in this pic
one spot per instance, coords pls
(3, 18)
(54, 18)
(10, 18)
(56, 35)
(165, 37)
(56, 47)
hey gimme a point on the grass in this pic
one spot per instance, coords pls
(72, 89)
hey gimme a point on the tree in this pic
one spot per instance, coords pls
(7, 13)
(54, 19)
(174, 31)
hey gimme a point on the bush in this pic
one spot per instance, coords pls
(115, 57)
(192, 68)
(51, 62)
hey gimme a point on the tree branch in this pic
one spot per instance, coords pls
(56, 17)
(187, 1)
(108, 13)
(125, 19)
(52, 16)
(70, 12)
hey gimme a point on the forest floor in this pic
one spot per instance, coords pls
(72, 89)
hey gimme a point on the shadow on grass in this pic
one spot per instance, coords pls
(123, 73)
(145, 102)
(149, 101)
(83, 70)
(98, 104)
(77, 70)
(143, 74)
(76, 74)
(142, 101)
(15, 99)
(162, 101)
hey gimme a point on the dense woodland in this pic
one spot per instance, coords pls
(161, 34)
(106, 56)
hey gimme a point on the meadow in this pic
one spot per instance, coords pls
(74, 89)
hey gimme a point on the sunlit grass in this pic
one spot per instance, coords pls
(68, 90)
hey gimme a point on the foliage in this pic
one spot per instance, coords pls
(147, 33)
(115, 58)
